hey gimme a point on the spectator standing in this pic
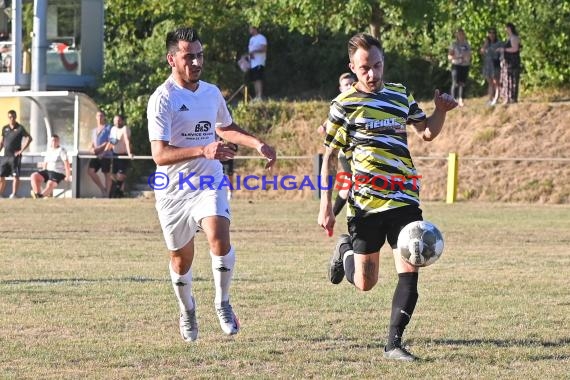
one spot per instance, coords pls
(492, 64)
(460, 56)
(15, 139)
(99, 140)
(510, 65)
(257, 49)
(120, 144)
(55, 169)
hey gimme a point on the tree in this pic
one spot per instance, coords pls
(307, 43)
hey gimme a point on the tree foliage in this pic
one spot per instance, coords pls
(307, 43)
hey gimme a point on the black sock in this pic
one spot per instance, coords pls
(339, 203)
(348, 262)
(403, 304)
(349, 268)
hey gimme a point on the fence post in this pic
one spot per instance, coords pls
(452, 168)
(75, 175)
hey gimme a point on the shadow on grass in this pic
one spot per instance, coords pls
(503, 342)
(45, 281)
(75, 281)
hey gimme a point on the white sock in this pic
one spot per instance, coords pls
(348, 253)
(182, 284)
(223, 270)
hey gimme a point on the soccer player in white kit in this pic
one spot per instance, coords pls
(184, 116)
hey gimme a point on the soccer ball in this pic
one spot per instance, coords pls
(420, 243)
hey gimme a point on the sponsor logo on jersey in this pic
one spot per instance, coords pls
(202, 126)
(385, 123)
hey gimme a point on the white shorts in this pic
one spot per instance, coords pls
(180, 218)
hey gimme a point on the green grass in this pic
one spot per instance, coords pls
(84, 292)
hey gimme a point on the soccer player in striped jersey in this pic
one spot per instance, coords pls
(368, 123)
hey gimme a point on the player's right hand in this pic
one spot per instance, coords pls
(269, 153)
(326, 218)
(219, 150)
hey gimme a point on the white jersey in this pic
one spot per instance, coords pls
(55, 159)
(185, 118)
(255, 42)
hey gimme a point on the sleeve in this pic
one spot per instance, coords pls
(63, 154)
(113, 135)
(336, 131)
(223, 117)
(159, 117)
(415, 113)
(24, 132)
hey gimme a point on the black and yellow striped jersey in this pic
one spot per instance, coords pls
(371, 129)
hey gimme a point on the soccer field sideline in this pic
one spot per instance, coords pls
(87, 294)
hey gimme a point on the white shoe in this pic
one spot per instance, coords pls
(229, 322)
(189, 325)
(12, 196)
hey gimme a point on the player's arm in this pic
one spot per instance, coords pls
(234, 134)
(97, 149)
(429, 128)
(26, 144)
(67, 170)
(127, 135)
(165, 154)
(259, 49)
(328, 170)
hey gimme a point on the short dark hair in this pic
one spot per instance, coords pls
(13, 113)
(180, 34)
(54, 136)
(512, 27)
(362, 41)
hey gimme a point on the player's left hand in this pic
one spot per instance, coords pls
(269, 153)
(444, 102)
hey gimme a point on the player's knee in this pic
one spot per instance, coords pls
(219, 247)
(365, 283)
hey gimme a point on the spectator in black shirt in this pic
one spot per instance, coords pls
(15, 139)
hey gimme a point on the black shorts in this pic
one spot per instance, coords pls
(228, 167)
(100, 163)
(120, 165)
(369, 233)
(10, 166)
(256, 73)
(49, 175)
(459, 73)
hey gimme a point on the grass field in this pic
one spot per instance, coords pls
(84, 293)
